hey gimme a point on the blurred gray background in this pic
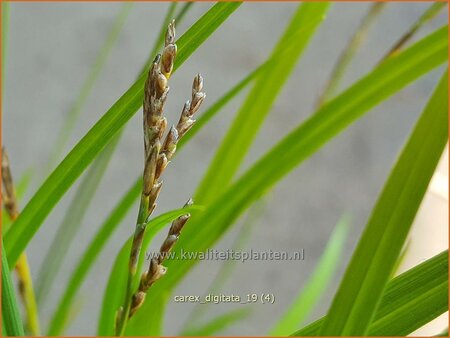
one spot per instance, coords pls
(51, 49)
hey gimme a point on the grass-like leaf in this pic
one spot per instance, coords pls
(11, 321)
(317, 283)
(420, 308)
(260, 100)
(218, 323)
(384, 236)
(99, 136)
(116, 286)
(410, 300)
(332, 118)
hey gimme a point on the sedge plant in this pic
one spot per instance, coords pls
(369, 300)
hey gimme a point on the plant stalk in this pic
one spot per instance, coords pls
(25, 283)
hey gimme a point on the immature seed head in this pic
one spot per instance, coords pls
(158, 154)
(155, 96)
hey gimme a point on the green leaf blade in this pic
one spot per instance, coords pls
(404, 294)
(260, 101)
(375, 256)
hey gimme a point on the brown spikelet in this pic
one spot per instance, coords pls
(158, 152)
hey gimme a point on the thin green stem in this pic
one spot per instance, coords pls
(350, 50)
(427, 16)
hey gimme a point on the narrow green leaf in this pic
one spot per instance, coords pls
(404, 307)
(218, 323)
(86, 89)
(316, 284)
(99, 136)
(11, 321)
(260, 101)
(62, 312)
(116, 286)
(424, 308)
(71, 222)
(381, 83)
(384, 236)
